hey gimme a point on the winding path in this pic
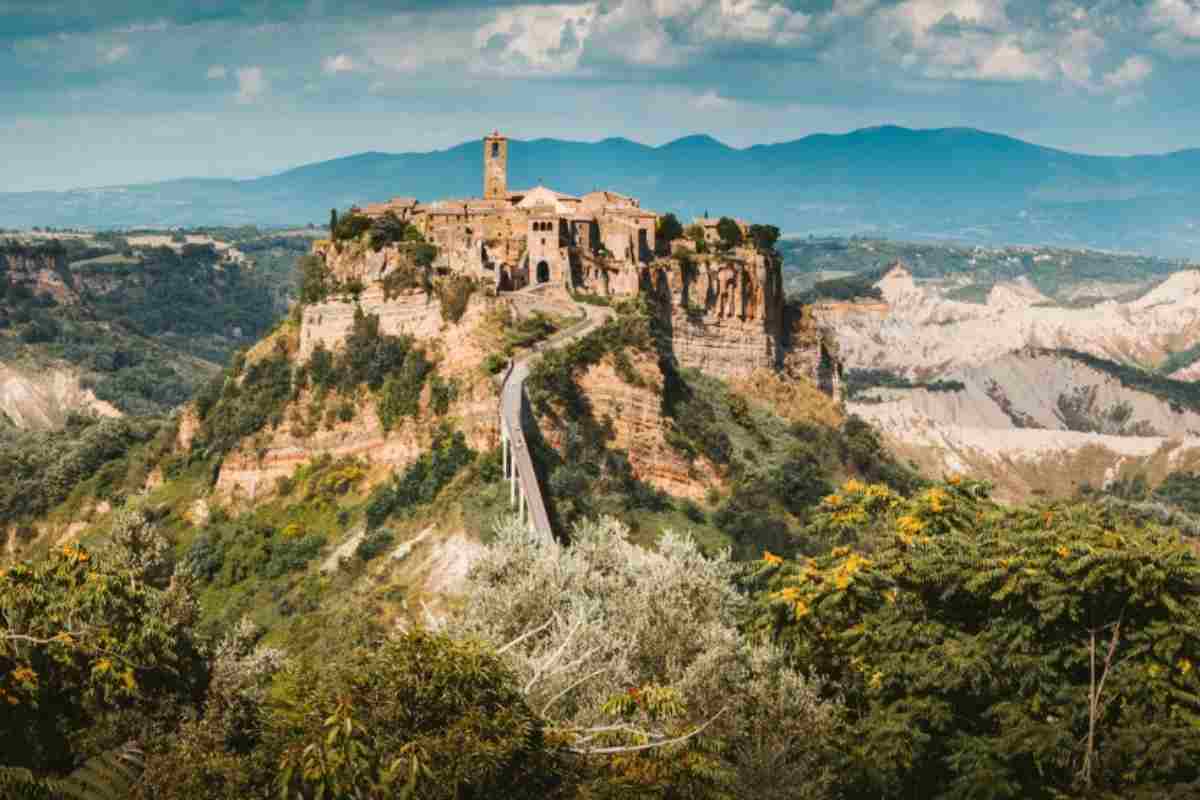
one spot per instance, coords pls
(524, 491)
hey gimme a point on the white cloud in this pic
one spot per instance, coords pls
(536, 38)
(339, 63)
(252, 84)
(1079, 48)
(1008, 62)
(1181, 17)
(215, 72)
(711, 101)
(1133, 72)
(752, 21)
(1174, 26)
(116, 53)
(158, 26)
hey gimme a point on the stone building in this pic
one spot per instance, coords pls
(709, 225)
(532, 236)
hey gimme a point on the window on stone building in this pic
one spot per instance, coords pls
(495, 149)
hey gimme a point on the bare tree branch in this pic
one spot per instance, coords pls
(598, 751)
(553, 657)
(577, 683)
(525, 636)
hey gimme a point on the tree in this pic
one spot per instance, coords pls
(730, 232)
(636, 654)
(333, 221)
(315, 282)
(220, 754)
(90, 655)
(388, 229)
(668, 230)
(764, 237)
(696, 234)
(351, 226)
(419, 714)
(998, 652)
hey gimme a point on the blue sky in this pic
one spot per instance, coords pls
(98, 92)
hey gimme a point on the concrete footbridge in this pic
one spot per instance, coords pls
(524, 492)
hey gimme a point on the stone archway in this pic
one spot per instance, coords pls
(543, 272)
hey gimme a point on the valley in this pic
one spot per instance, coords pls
(131, 322)
(501, 433)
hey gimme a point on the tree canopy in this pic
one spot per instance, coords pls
(730, 232)
(90, 652)
(986, 651)
(668, 230)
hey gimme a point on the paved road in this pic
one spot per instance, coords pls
(512, 399)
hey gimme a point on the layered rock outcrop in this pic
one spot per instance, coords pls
(42, 398)
(455, 348)
(725, 314)
(40, 270)
(639, 428)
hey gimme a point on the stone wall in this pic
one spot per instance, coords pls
(415, 314)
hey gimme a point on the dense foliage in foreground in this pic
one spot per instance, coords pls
(998, 652)
(937, 645)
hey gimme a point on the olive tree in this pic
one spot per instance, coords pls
(625, 650)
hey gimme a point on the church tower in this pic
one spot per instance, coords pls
(495, 167)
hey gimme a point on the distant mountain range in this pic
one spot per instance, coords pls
(956, 183)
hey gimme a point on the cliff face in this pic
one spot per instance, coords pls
(638, 427)
(40, 272)
(413, 313)
(348, 261)
(41, 399)
(725, 313)
(456, 349)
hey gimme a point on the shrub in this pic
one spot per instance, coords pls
(653, 644)
(423, 479)
(454, 294)
(314, 279)
(245, 409)
(374, 544)
(351, 226)
(441, 394)
(495, 363)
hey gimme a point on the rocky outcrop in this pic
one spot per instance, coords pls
(413, 313)
(724, 313)
(42, 398)
(921, 333)
(639, 428)
(457, 349)
(40, 270)
(1020, 411)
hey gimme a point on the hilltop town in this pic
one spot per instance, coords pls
(720, 278)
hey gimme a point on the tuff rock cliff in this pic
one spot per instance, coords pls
(725, 314)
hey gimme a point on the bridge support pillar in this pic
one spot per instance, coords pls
(504, 447)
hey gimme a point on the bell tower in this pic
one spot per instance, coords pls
(495, 167)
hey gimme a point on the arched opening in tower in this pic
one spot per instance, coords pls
(543, 272)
